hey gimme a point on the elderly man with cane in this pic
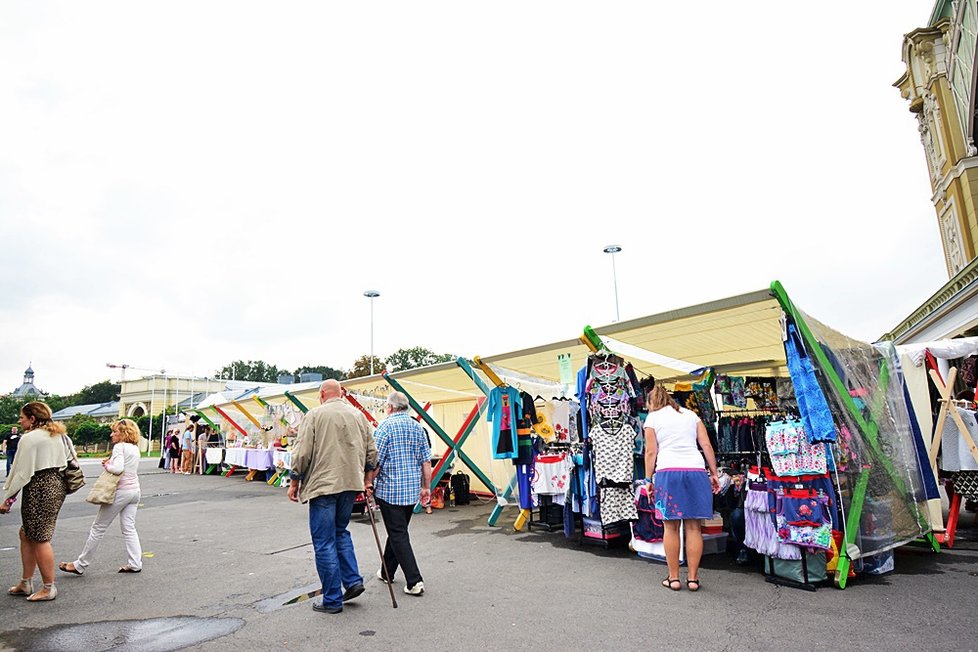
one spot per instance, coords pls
(332, 460)
(402, 477)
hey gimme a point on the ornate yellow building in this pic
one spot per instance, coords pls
(940, 86)
(151, 394)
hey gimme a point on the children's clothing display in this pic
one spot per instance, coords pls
(791, 454)
(551, 475)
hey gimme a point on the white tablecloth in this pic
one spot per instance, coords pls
(235, 456)
(213, 455)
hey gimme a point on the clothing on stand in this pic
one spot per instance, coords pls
(504, 412)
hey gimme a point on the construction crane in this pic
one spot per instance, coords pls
(127, 366)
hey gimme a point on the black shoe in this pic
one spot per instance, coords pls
(318, 606)
(353, 592)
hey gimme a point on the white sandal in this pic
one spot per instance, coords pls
(24, 587)
(52, 593)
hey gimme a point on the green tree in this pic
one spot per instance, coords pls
(158, 425)
(103, 392)
(327, 372)
(361, 367)
(414, 357)
(258, 371)
(85, 431)
(10, 409)
(10, 405)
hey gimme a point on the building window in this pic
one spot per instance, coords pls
(962, 68)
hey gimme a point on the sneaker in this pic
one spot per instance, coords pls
(417, 589)
(323, 609)
(380, 576)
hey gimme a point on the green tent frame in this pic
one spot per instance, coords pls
(867, 427)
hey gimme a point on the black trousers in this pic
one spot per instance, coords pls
(397, 550)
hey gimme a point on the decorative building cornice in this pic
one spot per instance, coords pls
(959, 289)
(940, 191)
(924, 54)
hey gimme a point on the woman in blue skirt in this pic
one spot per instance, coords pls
(683, 490)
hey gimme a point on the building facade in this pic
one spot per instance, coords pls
(150, 394)
(939, 85)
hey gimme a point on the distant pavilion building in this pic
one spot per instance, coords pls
(28, 389)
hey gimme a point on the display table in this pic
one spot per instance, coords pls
(258, 459)
(213, 457)
(235, 456)
(282, 464)
(253, 459)
(282, 459)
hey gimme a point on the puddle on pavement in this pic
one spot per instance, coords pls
(151, 635)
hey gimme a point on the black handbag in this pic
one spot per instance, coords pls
(73, 476)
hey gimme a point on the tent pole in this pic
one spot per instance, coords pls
(511, 485)
(453, 446)
(296, 402)
(205, 418)
(246, 414)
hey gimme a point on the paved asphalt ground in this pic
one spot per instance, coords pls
(223, 556)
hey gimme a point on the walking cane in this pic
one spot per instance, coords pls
(383, 564)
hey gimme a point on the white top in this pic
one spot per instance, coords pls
(125, 461)
(37, 451)
(675, 434)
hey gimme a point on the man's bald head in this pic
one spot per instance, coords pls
(330, 389)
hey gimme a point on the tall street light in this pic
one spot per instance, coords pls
(614, 249)
(371, 294)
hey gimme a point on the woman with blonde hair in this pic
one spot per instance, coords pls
(37, 473)
(683, 490)
(123, 462)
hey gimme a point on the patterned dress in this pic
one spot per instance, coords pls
(42, 499)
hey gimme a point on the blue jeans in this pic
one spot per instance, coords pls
(336, 562)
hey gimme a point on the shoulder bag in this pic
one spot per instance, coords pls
(73, 476)
(103, 491)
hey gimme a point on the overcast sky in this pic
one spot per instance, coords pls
(187, 183)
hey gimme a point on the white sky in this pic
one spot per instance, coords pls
(187, 183)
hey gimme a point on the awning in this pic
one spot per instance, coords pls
(739, 335)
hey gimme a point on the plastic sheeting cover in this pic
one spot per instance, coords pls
(894, 509)
(960, 347)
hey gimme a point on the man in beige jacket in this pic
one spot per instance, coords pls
(331, 459)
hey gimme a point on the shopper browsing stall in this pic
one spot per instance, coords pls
(683, 490)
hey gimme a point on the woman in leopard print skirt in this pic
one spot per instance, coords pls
(37, 472)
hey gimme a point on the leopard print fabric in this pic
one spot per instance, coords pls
(42, 499)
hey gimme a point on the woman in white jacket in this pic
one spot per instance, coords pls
(124, 462)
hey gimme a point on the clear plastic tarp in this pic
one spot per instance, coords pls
(875, 447)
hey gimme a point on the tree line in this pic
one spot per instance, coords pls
(260, 371)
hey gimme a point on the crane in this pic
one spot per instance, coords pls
(128, 366)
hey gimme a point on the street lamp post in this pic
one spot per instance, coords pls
(371, 294)
(614, 249)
